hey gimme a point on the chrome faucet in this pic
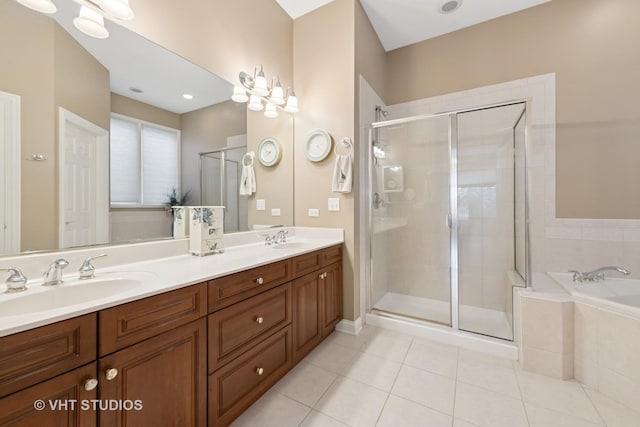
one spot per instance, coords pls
(597, 274)
(87, 269)
(53, 275)
(16, 282)
(281, 237)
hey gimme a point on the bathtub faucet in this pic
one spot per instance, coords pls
(598, 274)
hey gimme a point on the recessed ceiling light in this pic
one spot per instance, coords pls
(187, 96)
(135, 89)
(450, 6)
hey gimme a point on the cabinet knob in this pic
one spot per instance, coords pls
(90, 384)
(259, 371)
(111, 373)
(259, 280)
(323, 276)
(259, 320)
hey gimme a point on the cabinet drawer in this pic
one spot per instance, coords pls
(234, 329)
(237, 385)
(230, 289)
(130, 323)
(331, 255)
(306, 263)
(27, 358)
(66, 389)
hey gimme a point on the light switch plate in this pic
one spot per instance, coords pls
(260, 205)
(314, 212)
(334, 204)
(275, 212)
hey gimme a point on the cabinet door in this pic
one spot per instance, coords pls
(63, 398)
(165, 375)
(332, 297)
(307, 322)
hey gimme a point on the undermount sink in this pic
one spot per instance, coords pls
(66, 294)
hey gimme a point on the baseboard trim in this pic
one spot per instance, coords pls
(351, 327)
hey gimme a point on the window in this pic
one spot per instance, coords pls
(145, 161)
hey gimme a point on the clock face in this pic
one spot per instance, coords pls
(318, 145)
(269, 152)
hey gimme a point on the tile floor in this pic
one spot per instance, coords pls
(385, 378)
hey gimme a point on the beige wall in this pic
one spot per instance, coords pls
(205, 130)
(370, 56)
(589, 44)
(222, 36)
(139, 110)
(324, 44)
(48, 69)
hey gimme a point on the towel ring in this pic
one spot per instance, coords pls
(247, 159)
(345, 143)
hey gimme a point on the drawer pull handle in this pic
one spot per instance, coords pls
(259, 280)
(90, 384)
(259, 320)
(110, 374)
(259, 371)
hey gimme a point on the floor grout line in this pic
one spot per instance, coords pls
(604, 423)
(526, 413)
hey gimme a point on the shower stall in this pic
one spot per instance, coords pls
(220, 172)
(448, 217)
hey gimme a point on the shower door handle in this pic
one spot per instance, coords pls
(449, 220)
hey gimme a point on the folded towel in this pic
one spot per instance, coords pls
(342, 174)
(248, 177)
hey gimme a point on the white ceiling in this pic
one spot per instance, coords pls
(400, 23)
(134, 61)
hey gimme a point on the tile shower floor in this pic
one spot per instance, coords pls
(385, 378)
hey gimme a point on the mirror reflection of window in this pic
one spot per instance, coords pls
(145, 161)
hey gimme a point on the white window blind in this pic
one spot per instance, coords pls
(144, 162)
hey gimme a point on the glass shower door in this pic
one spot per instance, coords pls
(410, 236)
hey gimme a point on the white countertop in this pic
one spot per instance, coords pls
(164, 274)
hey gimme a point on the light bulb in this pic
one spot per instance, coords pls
(277, 95)
(255, 104)
(292, 104)
(270, 111)
(42, 6)
(239, 94)
(91, 23)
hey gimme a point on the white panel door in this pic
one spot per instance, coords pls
(9, 173)
(84, 205)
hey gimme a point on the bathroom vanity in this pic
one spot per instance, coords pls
(193, 356)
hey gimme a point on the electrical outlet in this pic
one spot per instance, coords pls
(314, 212)
(260, 204)
(275, 212)
(334, 204)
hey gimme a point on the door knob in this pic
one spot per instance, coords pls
(259, 371)
(259, 320)
(90, 384)
(111, 373)
(259, 280)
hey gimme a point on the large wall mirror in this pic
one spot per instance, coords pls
(97, 133)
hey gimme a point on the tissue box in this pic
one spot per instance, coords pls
(180, 221)
(206, 230)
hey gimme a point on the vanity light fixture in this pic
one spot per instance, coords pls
(254, 88)
(90, 20)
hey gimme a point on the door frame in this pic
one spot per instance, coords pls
(10, 149)
(101, 224)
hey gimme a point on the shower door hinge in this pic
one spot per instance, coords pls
(449, 220)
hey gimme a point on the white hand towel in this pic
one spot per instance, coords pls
(248, 178)
(342, 174)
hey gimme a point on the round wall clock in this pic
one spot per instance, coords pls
(269, 152)
(317, 146)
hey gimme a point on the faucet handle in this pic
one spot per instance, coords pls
(577, 276)
(16, 282)
(59, 263)
(87, 269)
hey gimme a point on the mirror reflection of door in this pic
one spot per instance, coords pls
(84, 199)
(10, 176)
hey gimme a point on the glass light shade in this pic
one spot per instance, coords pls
(270, 111)
(255, 104)
(42, 6)
(292, 104)
(260, 87)
(117, 8)
(91, 23)
(277, 95)
(239, 94)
